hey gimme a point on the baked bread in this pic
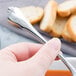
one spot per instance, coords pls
(69, 32)
(72, 27)
(66, 35)
(32, 13)
(58, 26)
(50, 12)
(67, 8)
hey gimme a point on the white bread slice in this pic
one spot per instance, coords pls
(67, 8)
(32, 13)
(72, 27)
(58, 26)
(50, 12)
(66, 34)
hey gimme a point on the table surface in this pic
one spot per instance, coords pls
(6, 39)
(7, 36)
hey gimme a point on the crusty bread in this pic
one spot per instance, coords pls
(72, 26)
(67, 8)
(66, 35)
(50, 12)
(58, 26)
(32, 13)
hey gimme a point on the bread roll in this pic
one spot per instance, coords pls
(67, 8)
(48, 20)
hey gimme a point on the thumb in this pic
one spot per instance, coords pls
(46, 55)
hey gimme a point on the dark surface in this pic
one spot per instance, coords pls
(8, 37)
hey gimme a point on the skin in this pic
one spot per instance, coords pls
(28, 59)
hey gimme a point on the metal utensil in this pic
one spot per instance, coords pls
(15, 15)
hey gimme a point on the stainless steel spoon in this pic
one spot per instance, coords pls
(15, 15)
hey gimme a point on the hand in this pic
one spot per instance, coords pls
(28, 59)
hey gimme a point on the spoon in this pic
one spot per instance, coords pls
(15, 15)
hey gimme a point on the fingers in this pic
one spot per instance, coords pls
(22, 51)
(46, 55)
